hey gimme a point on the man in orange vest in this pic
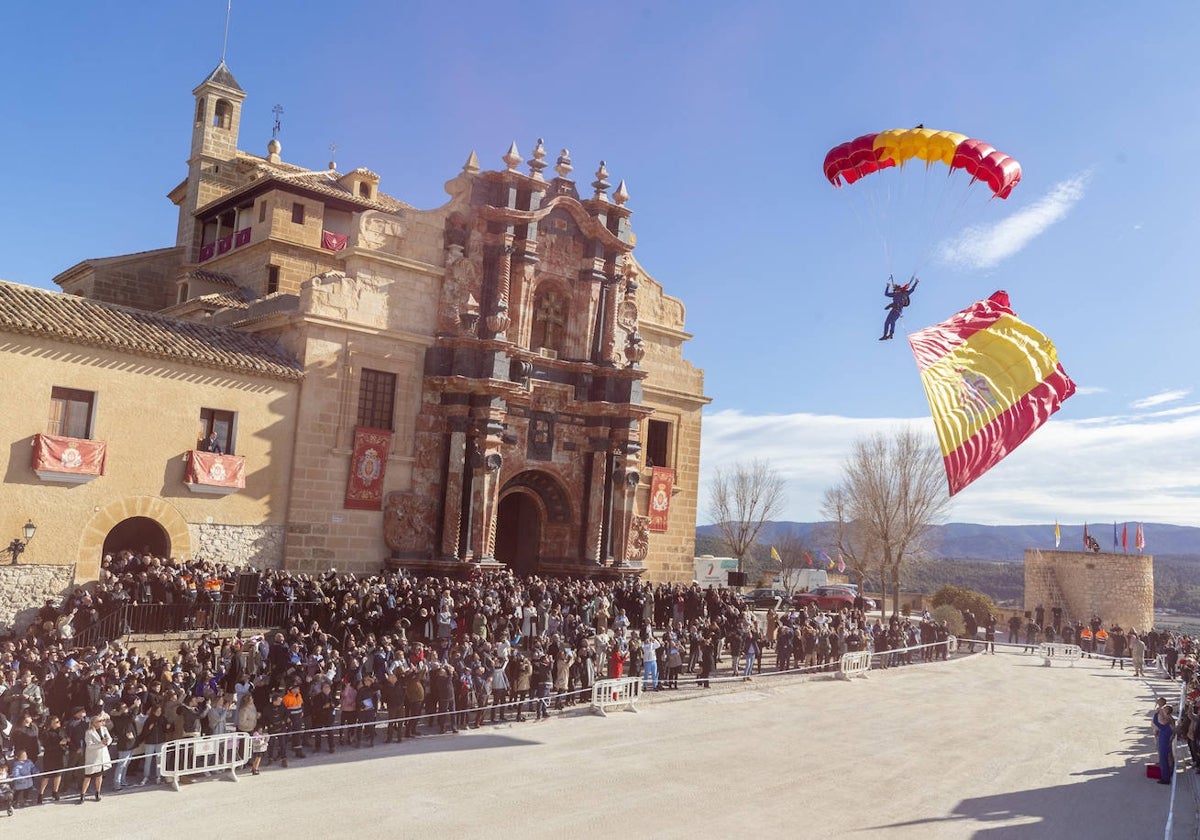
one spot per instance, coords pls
(1085, 641)
(293, 701)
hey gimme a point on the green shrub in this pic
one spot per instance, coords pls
(951, 616)
(966, 599)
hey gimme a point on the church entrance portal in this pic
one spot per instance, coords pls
(519, 532)
(139, 534)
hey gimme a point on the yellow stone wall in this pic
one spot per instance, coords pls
(148, 412)
(1116, 587)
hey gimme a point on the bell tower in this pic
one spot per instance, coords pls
(217, 115)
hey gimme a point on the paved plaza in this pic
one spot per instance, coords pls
(986, 747)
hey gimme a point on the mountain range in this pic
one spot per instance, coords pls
(1003, 543)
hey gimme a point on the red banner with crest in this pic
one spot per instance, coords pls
(216, 470)
(364, 490)
(662, 482)
(52, 453)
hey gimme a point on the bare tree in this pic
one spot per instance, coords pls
(741, 500)
(892, 490)
(791, 550)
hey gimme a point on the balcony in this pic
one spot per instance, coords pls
(225, 244)
(64, 460)
(214, 475)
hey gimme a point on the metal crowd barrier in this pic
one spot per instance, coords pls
(624, 691)
(1054, 652)
(854, 664)
(206, 754)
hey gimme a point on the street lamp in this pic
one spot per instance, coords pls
(17, 546)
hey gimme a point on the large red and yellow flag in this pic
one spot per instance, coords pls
(991, 381)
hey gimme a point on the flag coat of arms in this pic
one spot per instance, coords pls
(991, 381)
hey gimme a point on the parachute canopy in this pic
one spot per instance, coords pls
(895, 147)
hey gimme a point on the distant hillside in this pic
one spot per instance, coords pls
(966, 541)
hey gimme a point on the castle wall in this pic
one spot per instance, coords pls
(1116, 587)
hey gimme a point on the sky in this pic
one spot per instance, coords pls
(718, 116)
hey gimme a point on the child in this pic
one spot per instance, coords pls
(22, 774)
(258, 748)
(6, 789)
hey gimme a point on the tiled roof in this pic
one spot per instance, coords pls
(41, 313)
(212, 277)
(319, 181)
(221, 76)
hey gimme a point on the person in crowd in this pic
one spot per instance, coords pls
(96, 759)
(54, 751)
(22, 772)
(124, 732)
(6, 789)
(1164, 733)
(157, 729)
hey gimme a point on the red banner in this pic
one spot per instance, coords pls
(364, 490)
(52, 453)
(331, 241)
(216, 470)
(662, 481)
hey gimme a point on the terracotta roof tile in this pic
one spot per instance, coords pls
(212, 277)
(41, 313)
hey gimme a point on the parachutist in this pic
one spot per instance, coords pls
(901, 296)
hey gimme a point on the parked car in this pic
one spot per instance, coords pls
(765, 597)
(831, 597)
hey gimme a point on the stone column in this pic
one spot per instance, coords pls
(453, 494)
(595, 508)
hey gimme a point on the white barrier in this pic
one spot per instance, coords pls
(206, 754)
(854, 664)
(624, 691)
(1056, 652)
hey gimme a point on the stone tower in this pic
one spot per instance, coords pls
(217, 115)
(1116, 587)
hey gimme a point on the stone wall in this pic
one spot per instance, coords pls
(1116, 587)
(260, 546)
(25, 588)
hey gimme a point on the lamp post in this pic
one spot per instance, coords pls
(17, 546)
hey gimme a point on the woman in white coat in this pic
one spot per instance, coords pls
(96, 758)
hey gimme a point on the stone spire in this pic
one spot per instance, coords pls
(601, 185)
(472, 164)
(538, 162)
(622, 194)
(512, 158)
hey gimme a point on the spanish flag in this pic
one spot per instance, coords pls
(991, 381)
(775, 556)
(1057, 534)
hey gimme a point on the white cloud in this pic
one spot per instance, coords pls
(1129, 467)
(1160, 398)
(1085, 390)
(984, 246)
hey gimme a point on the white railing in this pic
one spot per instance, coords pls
(624, 691)
(1054, 652)
(206, 754)
(854, 664)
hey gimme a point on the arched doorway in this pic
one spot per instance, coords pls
(519, 532)
(140, 534)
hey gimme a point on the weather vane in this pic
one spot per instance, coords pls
(333, 155)
(225, 42)
(277, 110)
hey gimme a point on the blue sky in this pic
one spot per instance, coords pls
(718, 116)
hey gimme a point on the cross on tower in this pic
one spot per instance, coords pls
(277, 110)
(333, 155)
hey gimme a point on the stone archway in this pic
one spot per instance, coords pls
(104, 521)
(138, 533)
(519, 521)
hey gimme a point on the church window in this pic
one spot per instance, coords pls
(219, 421)
(272, 279)
(223, 115)
(262, 211)
(549, 321)
(658, 443)
(200, 103)
(364, 189)
(183, 292)
(297, 213)
(376, 399)
(71, 412)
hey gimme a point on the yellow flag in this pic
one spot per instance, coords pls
(1057, 534)
(775, 556)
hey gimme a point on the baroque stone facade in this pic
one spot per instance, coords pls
(1116, 587)
(524, 369)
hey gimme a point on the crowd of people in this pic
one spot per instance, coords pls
(363, 655)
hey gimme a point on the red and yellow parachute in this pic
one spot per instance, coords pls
(860, 157)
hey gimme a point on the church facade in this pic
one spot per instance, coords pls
(496, 381)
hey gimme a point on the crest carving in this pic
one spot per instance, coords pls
(639, 539)
(407, 522)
